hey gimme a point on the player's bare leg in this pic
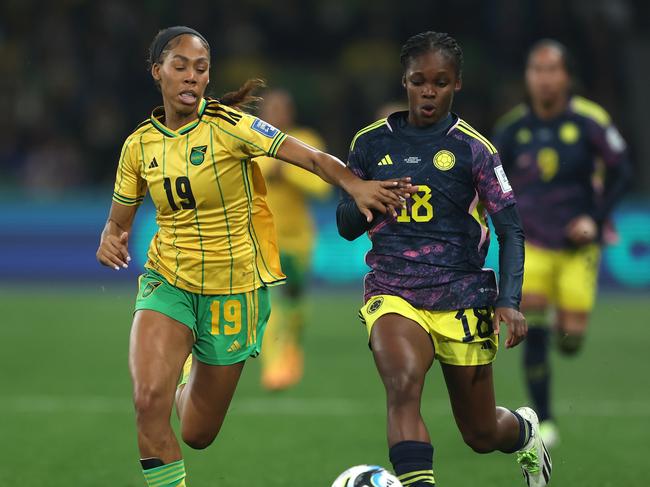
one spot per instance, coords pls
(486, 427)
(203, 402)
(403, 353)
(158, 347)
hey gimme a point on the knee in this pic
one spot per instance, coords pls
(148, 399)
(480, 440)
(569, 344)
(198, 440)
(403, 386)
(199, 437)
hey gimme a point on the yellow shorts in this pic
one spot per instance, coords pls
(566, 278)
(462, 337)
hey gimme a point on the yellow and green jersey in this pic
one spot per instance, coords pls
(216, 232)
(289, 189)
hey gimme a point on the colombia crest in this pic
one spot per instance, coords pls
(444, 160)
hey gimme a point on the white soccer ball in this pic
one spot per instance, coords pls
(366, 476)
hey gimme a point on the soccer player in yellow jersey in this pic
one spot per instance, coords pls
(289, 190)
(204, 290)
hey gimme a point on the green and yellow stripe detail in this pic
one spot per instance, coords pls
(170, 475)
(279, 138)
(125, 200)
(367, 129)
(466, 128)
(423, 476)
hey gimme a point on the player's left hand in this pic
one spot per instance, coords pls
(516, 322)
(582, 230)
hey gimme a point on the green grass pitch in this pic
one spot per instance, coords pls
(66, 417)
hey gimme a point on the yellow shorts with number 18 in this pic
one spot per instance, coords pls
(461, 337)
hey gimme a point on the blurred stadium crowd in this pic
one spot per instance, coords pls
(74, 82)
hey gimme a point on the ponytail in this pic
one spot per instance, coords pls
(243, 97)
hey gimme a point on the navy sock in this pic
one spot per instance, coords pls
(524, 433)
(537, 368)
(413, 463)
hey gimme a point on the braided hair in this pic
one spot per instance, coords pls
(432, 41)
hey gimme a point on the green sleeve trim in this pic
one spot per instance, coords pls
(275, 146)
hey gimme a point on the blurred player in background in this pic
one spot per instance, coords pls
(550, 147)
(289, 190)
(204, 290)
(427, 295)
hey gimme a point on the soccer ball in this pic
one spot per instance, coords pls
(366, 476)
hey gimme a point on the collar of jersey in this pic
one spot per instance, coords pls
(158, 117)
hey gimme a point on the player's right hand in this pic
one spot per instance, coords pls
(113, 251)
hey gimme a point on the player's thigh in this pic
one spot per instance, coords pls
(158, 347)
(578, 279)
(400, 343)
(161, 335)
(471, 393)
(539, 277)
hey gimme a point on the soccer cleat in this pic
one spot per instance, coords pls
(549, 433)
(533, 458)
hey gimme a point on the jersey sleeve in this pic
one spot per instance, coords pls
(491, 183)
(357, 161)
(130, 188)
(252, 137)
(607, 141)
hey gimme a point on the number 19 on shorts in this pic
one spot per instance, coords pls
(232, 316)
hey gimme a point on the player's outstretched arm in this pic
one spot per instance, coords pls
(113, 248)
(382, 196)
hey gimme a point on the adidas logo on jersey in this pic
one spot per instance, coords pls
(385, 161)
(234, 347)
(153, 163)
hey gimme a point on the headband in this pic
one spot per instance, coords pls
(163, 38)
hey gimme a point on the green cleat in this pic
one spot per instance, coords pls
(533, 458)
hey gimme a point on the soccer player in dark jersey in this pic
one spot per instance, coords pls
(549, 146)
(205, 286)
(427, 295)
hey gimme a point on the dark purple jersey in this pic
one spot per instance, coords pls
(552, 163)
(433, 253)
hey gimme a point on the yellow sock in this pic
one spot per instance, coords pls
(187, 367)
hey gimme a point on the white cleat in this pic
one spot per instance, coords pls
(533, 458)
(550, 434)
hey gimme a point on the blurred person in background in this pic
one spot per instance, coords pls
(205, 287)
(551, 146)
(428, 295)
(289, 190)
